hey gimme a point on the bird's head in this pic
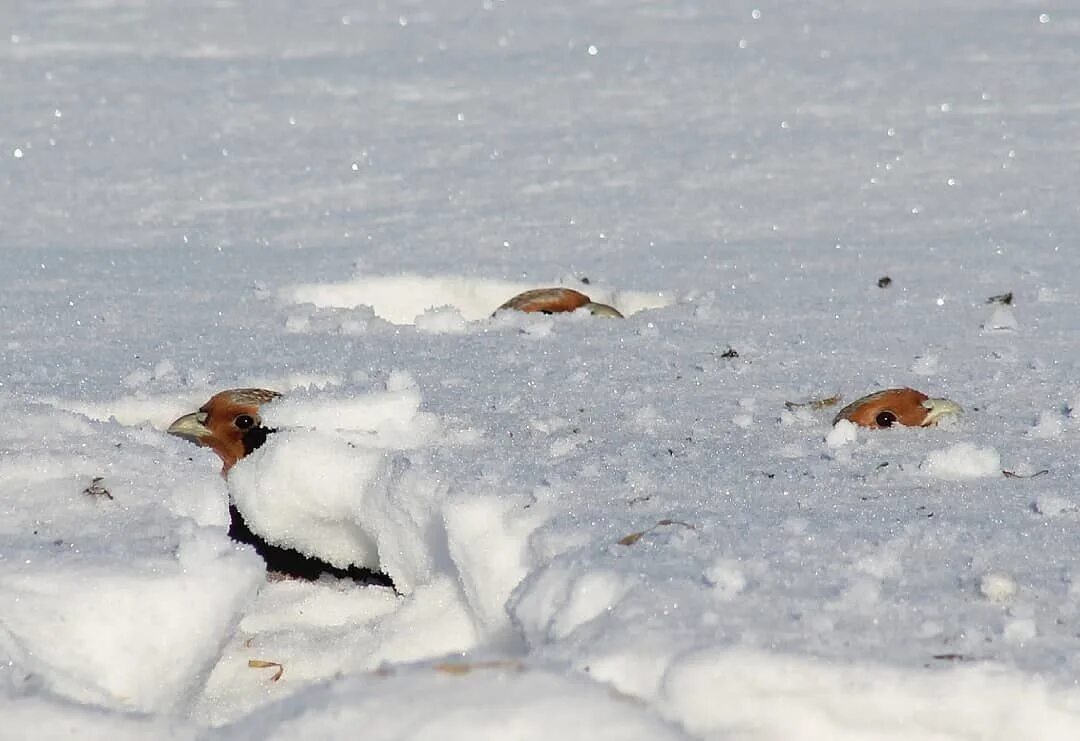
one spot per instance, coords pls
(557, 301)
(230, 424)
(902, 406)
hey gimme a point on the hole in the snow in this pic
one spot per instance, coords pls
(400, 299)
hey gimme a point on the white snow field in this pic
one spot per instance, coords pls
(598, 529)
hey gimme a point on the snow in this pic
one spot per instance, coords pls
(606, 529)
(963, 461)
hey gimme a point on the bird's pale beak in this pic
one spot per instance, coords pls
(602, 310)
(937, 409)
(191, 427)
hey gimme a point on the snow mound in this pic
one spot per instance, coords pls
(348, 479)
(408, 299)
(455, 701)
(962, 461)
(118, 584)
(770, 696)
(51, 718)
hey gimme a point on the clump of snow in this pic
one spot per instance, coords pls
(390, 419)
(962, 461)
(104, 553)
(997, 586)
(338, 491)
(844, 432)
(311, 491)
(559, 600)
(442, 320)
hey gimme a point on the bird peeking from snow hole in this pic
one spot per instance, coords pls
(557, 301)
(905, 407)
(230, 424)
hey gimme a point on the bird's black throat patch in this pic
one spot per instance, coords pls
(254, 437)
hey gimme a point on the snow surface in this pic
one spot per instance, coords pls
(597, 529)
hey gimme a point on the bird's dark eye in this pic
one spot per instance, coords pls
(885, 419)
(244, 421)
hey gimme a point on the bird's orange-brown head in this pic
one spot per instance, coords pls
(230, 424)
(902, 406)
(557, 301)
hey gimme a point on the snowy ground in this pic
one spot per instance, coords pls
(599, 529)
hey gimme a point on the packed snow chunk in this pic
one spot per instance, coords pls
(457, 700)
(306, 490)
(773, 696)
(487, 537)
(442, 320)
(962, 461)
(433, 620)
(118, 583)
(389, 419)
(328, 495)
(135, 631)
(844, 432)
(554, 602)
(316, 630)
(1048, 425)
(998, 586)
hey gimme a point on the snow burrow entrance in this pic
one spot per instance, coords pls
(400, 299)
